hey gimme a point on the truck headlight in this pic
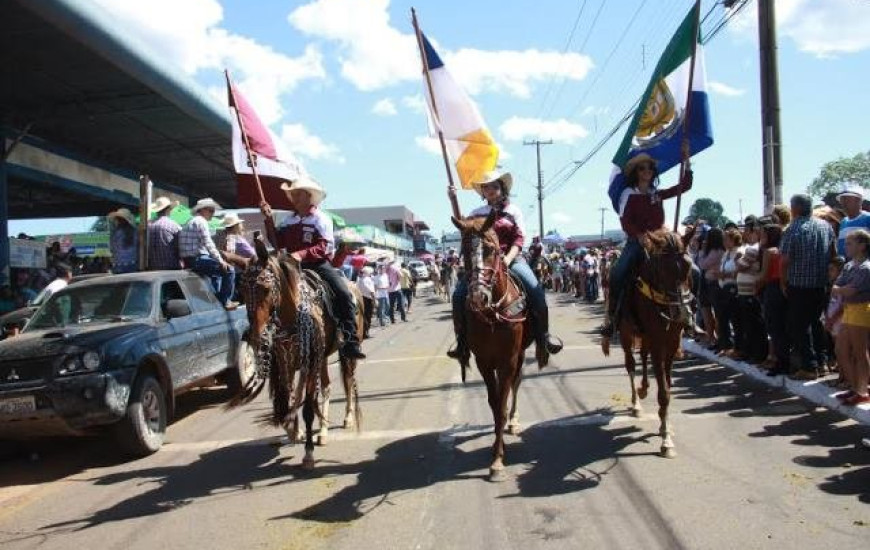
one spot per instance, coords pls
(91, 360)
(70, 366)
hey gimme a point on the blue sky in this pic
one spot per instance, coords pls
(339, 82)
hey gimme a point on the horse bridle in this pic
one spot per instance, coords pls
(663, 298)
(486, 279)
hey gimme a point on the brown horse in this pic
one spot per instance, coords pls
(652, 320)
(498, 329)
(294, 336)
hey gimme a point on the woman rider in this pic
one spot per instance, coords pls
(640, 210)
(495, 188)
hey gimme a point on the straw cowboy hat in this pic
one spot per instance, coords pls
(124, 214)
(637, 160)
(207, 202)
(162, 203)
(851, 190)
(306, 184)
(231, 220)
(505, 178)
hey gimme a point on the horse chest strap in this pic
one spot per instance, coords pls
(650, 293)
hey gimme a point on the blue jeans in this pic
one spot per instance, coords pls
(222, 282)
(534, 290)
(383, 310)
(628, 260)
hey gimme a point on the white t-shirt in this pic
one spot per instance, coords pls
(382, 286)
(366, 285)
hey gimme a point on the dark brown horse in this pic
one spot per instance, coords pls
(498, 329)
(652, 320)
(293, 336)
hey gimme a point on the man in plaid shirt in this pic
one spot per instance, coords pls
(163, 237)
(200, 254)
(808, 245)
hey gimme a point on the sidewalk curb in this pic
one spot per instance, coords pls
(815, 391)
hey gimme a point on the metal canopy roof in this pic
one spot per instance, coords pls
(92, 91)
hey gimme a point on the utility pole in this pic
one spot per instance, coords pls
(740, 209)
(602, 210)
(770, 130)
(537, 143)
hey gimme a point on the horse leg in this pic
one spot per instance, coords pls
(308, 416)
(630, 365)
(644, 360)
(325, 393)
(513, 427)
(664, 398)
(350, 392)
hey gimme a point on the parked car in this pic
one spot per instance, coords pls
(114, 352)
(418, 270)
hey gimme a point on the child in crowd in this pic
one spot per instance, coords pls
(853, 286)
(834, 315)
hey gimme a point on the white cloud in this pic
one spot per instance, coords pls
(374, 54)
(428, 144)
(189, 34)
(415, 103)
(561, 130)
(724, 89)
(560, 217)
(824, 28)
(385, 107)
(303, 143)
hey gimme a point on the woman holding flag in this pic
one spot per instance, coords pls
(495, 187)
(641, 209)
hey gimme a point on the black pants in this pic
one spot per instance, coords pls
(753, 342)
(805, 306)
(727, 318)
(368, 310)
(776, 321)
(397, 300)
(345, 309)
(408, 293)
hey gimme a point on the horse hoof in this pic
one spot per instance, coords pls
(348, 424)
(513, 429)
(636, 412)
(322, 440)
(641, 392)
(497, 475)
(668, 452)
(308, 463)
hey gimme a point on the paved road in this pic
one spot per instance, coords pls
(756, 468)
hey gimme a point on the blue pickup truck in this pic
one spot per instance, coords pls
(114, 352)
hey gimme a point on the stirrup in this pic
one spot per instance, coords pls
(553, 347)
(606, 330)
(459, 352)
(351, 350)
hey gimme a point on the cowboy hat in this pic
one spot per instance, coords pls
(207, 202)
(124, 214)
(636, 160)
(230, 220)
(306, 184)
(851, 190)
(162, 203)
(505, 178)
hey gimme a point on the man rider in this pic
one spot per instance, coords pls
(306, 234)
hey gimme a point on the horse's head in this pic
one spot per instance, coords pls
(482, 256)
(667, 267)
(834, 216)
(260, 287)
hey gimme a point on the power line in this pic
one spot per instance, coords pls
(564, 50)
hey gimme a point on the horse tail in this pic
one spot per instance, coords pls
(252, 389)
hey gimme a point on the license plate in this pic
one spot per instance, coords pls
(17, 405)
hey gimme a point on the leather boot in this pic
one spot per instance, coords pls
(552, 344)
(350, 348)
(460, 351)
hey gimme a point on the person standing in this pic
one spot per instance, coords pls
(853, 286)
(394, 272)
(775, 305)
(64, 276)
(851, 200)
(807, 247)
(201, 255)
(382, 293)
(163, 237)
(407, 287)
(725, 306)
(752, 345)
(366, 284)
(124, 242)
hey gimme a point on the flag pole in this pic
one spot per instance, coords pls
(251, 160)
(685, 163)
(451, 187)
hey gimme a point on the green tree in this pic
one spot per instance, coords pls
(100, 224)
(837, 172)
(709, 210)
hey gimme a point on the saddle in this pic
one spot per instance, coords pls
(518, 306)
(327, 296)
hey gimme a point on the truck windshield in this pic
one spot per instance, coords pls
(94, 303)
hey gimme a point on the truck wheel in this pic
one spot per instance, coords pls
(239, 375)
(142, 430)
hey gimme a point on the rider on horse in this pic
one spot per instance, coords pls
(306, 234)
(640, 210)
(495, 188)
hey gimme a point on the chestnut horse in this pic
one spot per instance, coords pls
(497, 327)
(293, 335)
(652, 312)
